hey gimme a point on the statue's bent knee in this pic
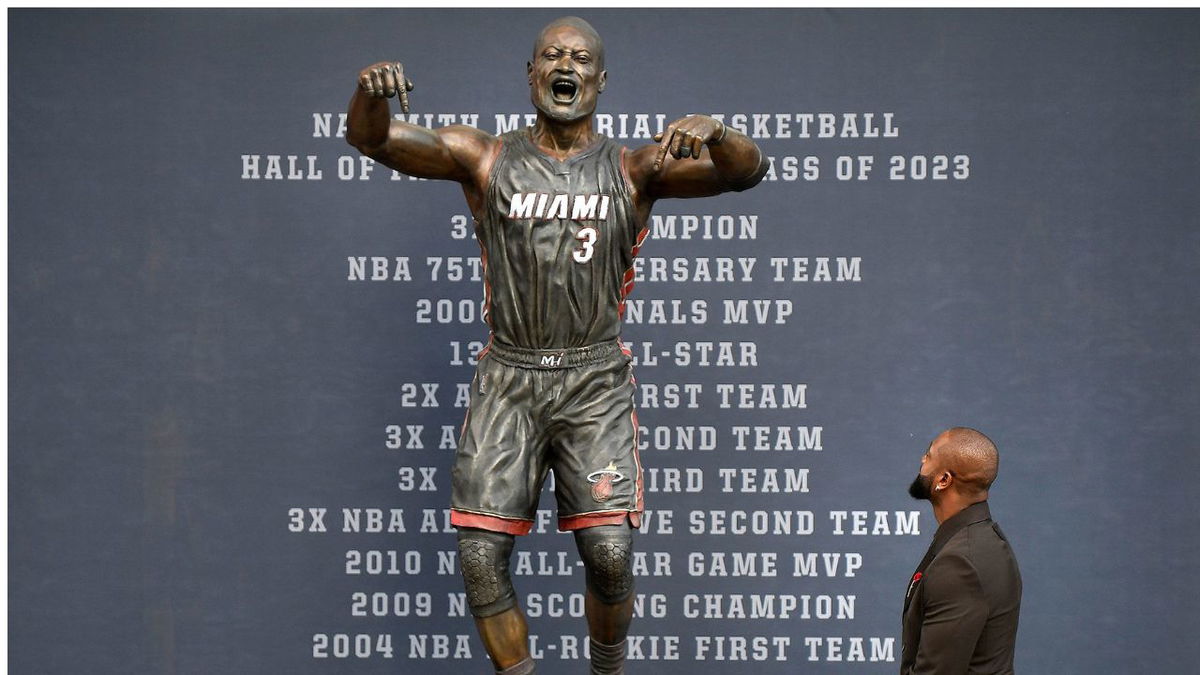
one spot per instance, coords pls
(607, 553)
(483, 557)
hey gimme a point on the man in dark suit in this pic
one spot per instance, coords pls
(962, 604)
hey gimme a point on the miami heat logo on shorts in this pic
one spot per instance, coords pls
(602, 482)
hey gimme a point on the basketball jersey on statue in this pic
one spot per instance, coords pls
(558, 241)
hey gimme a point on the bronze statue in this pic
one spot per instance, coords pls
(560, 213)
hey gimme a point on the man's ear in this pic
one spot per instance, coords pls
(944, 481)
(529, 71)
(603, 81)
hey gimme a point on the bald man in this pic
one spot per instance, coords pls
(962, 605)
(560, 213)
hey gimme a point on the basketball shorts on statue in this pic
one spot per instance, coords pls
(536, 410)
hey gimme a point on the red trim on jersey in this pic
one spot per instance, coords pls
(641, 239)
(584, 520)
(627, 280)
(625, 350)
(515, 526)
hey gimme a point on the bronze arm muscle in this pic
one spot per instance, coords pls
(705, 158)
(450, 153)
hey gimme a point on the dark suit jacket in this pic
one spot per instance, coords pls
(961, 608)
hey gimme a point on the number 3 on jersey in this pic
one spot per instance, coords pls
(587, 236)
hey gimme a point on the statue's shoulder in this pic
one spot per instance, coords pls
(515, 136)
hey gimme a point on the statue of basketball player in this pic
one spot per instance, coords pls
(560, 212)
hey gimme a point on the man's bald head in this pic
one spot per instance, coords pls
(969, 456)
(583, 27)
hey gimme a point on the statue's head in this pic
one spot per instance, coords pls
(567, 74)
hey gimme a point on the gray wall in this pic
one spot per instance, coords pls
(190, 359)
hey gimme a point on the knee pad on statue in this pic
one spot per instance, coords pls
(483, 557)
(607, 553)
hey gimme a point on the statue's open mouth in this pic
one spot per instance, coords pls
(563, 91)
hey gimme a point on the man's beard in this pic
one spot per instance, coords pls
(921, 487)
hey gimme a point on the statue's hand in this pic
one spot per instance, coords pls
(685, 137)
(382, 80)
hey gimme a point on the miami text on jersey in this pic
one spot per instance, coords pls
(544, 205)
